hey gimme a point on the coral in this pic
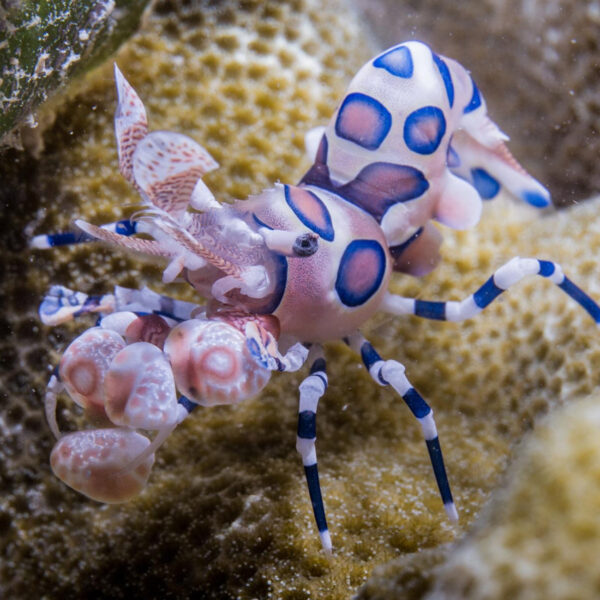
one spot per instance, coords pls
(537, 65)
(520, 359)
(226, 513)
(45, 44)
(537, 537)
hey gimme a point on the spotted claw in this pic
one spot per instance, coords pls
(91, 462)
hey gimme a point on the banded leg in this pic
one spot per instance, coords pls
(507, 275)
(69, 238)
(311, 390)
(391, 372)
(62, 304)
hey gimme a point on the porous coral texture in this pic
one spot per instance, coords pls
(537, 65)
(528, 353)
(540, 536)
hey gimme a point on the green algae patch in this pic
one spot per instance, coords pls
(43, 45)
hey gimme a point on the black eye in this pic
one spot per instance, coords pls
(306, 244)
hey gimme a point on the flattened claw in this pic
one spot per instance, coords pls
(85, 363)
(131, 124)
(490, 169)
(166, 167)
(61, 304)
(139, 389)
(91, 462)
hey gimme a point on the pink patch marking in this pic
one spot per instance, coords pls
(362, 271)
(358, 121)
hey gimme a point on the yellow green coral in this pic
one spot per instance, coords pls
(540, 536)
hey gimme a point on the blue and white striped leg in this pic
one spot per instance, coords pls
(69, 238)
(62, 304)
(311, 390)
(391, 372)
(507, 275)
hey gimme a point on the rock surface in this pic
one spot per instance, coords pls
(43, 45)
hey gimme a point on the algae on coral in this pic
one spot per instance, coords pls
(44, 44)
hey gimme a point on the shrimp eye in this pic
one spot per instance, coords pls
(306, 244)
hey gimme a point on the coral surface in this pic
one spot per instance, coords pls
(537, 63)
(537, 537)
(226, 513)
(540, 536)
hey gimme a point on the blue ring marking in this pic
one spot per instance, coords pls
(581, 298)
(416, 403)
(187, 404)
(415, 121)
(377, 110)
(396, 251)
(437, 461)
(452, 157)
(281, 273)
(430, 310)
(307, 425)
(369, 355)
(486, 185)
(314, 491)
(397, 61)
(546, 268)
(346, 276)
(326, 232)
(446, 77)
(475, 101)
(126, 227)
(256, 353)
(487, 293)
(535, 199)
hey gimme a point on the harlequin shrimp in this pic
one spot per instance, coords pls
(284, 271)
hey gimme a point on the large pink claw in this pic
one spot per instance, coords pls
(140, 389)
(85, 362)
(92, 462)
(212, 364)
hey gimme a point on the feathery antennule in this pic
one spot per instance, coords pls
(151, 247)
